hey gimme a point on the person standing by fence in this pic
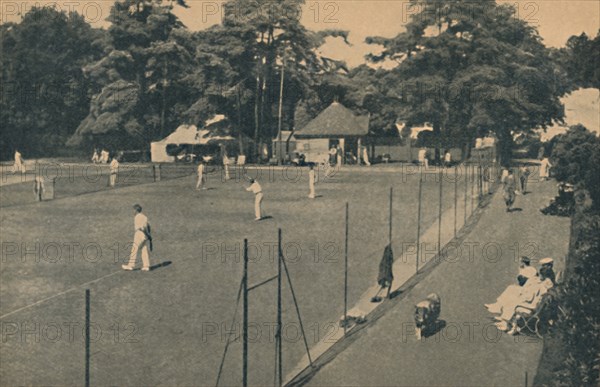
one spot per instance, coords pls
(95, 156)
(38, 188)
(19, 165)
(201, 184)
(311, 182)
(226, 162)
(114, 170)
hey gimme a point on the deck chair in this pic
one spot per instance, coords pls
(530, 319)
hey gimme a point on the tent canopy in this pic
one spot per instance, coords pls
(215, 129)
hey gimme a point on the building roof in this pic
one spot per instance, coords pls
(335, 121)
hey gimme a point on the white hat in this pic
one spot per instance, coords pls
(546, 261)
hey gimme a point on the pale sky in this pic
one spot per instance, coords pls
(556, 20)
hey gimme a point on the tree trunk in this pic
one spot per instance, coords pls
(164, 102)
(239, 128)
(505, 146)
(257, 110)
(437, 134)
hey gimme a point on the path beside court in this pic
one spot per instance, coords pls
(469, 350)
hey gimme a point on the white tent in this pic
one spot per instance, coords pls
(185, 135)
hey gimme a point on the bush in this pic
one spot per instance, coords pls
(575, 160)
(578, 325)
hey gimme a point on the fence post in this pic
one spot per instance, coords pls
(87, 337)
(440, 214)
(245, 319)
(390, 237)
(479, 183)
(156, 172)
(419, 218)
(346, 272)
(278, 337)
(466, 187)
(455, 197)
(472, 188)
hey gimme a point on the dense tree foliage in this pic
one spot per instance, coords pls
(469, 68)
(575, 157)
(580, 61)
(141, 83)
(44, 94)
(465, 67)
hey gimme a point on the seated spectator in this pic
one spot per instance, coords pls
(525, 263)
(511, 296)
(547, 271)
(530, 297)
(95, 157)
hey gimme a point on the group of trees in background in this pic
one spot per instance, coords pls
(467, 68)
(580, 61)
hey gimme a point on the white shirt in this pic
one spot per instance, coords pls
(545, 163)
(448, 157)
(200, 169)
(114, 166)
(255, 187)
(422, 154)
(140, 222)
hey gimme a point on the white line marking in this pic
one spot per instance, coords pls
(58, 295)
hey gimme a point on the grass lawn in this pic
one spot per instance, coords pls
(169, 326)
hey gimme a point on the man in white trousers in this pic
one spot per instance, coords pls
(201, 177)
(142, 240)
(226, 166)
(114, 170)
(258, 197)
(311, 182)
(19, 165)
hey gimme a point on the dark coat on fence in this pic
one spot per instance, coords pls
(386, 274)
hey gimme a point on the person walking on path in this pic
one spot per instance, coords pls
(201, 184)
(311, 182)
(523, 177)
(142, 240)
(545, 169)
(258, 197)
(114, 170)
(509, 186)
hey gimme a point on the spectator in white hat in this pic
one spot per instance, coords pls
(547, 270)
